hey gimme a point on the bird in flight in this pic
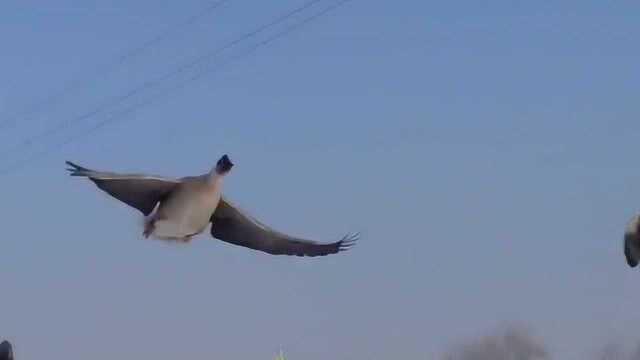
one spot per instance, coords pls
(179, 209)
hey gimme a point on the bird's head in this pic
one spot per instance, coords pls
(224, 165)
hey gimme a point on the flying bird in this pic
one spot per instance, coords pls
(632, 241)
(179, 209)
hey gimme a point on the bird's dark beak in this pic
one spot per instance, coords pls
(224, 165)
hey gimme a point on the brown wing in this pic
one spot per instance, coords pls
(229, 224)
(136, 190)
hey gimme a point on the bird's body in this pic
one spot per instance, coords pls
(178, 209)
(187, 210)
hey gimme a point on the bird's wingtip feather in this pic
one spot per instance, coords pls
(348, 241)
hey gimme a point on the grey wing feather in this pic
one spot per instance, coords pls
(229, 224)
(136, 190)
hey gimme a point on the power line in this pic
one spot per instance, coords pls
(38, 106)
(155, 82)
(118, 116)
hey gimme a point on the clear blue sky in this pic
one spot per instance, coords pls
(486, 150)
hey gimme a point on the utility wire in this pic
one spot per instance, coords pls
(77, 84)
(202, 59)
(119, 115)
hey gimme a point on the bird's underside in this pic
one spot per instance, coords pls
(186, 211)
(147, 193)
(164, 229)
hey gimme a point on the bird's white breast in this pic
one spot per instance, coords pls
(188, 210)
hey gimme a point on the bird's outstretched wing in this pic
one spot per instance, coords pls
(229, 224)
(136, 190)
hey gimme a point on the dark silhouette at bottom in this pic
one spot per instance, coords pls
(6, 351)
